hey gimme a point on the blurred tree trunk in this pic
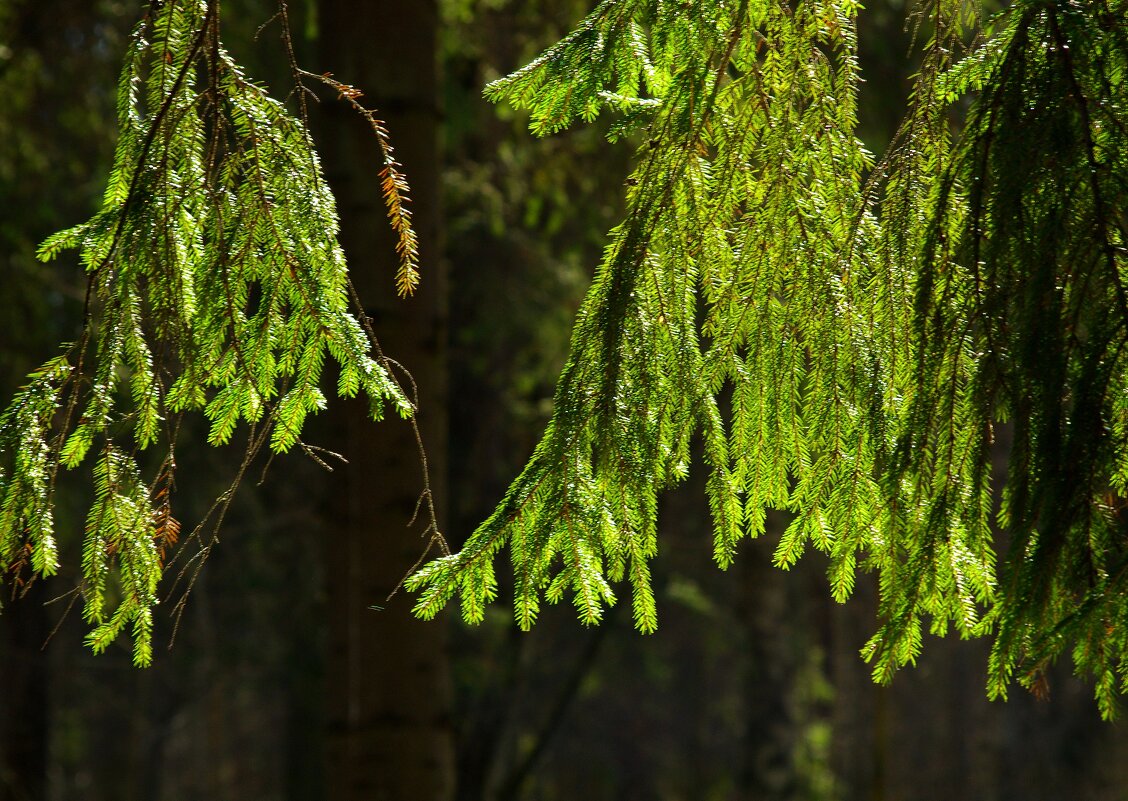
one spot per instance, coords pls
(54, 123)
(23, 680)
(390, 733)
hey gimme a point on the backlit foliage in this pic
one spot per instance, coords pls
(847, 337)
(216, 285)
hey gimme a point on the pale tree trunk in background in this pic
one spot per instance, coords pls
(390, 734)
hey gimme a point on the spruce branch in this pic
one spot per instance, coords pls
(847, 335)
(215, 283)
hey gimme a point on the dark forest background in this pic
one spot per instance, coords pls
(283, 683)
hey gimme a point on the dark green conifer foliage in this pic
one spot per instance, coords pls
(846, 336)
(1023, 304)
(215, 284)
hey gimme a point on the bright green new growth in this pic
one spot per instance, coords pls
(845, 337)
(216, 284)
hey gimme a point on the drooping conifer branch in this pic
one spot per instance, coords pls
(215, 285)
(848, 346)
(745, 199)
(1025, 290)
